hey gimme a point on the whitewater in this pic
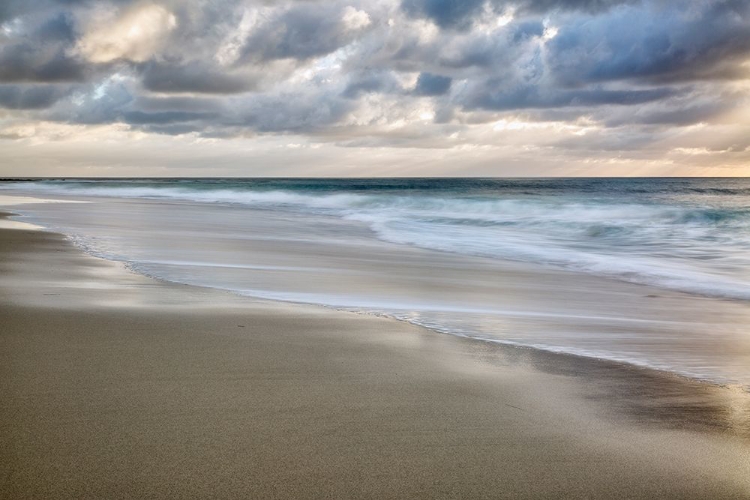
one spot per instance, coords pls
(653, 272)
(687, 235)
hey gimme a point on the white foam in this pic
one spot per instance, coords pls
(671, 246)
(252, 198)
(8, 200)
(14, 224)
(201, 243)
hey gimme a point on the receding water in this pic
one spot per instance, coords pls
(649, 271)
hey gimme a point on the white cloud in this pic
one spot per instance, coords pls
(355, 20)
(135, 35)
(229, 50)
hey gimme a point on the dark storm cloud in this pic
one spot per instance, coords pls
(370, 82)
(60, 27)
(532, 97)
(660, 43)
(544, 6)
(163, 117)
(194, 76)
(237, 67)
(26, 64)
(432, 85)
(42, 52)
(445, 13)
(10, 9)
(298, 114)
(471, 54)
(460, 14)
(180, 103)
(301, 32)
(527, 29)
(31, 96)
(263, 114)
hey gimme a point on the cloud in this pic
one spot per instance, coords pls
(670, 42)
(546, 6)
(195, 76)
(486, 97)
(355, 20)
(445, 13)
(690, 109)
(39, 51)
(432, 85)
(300, 113)
(133, 35)
(162, 117)
(594, 75)
(303, 32)
(23, 63)
(371, 82)
(31, 96)
(461, 14)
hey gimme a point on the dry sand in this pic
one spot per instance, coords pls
(113, 385)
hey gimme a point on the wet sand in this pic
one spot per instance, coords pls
(113, 385)
(279, 255)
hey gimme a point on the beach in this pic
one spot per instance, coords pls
(392, 249)
(596, 269)
(115, 385)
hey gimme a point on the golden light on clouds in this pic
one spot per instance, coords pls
(528, 87)
(134, 35)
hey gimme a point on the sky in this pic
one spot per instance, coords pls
(374, 88)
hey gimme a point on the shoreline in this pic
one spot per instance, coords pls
(7, 215)
(558, 361)
(117, 385)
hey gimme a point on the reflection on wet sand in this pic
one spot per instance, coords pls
(639, 395)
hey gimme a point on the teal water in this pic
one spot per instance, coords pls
(691, 235)
(652, 272)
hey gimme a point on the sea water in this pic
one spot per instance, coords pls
(649, 271)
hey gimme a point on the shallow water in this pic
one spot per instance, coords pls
(630, 270)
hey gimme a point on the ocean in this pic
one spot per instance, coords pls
(654, 272)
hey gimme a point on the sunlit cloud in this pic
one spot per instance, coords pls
(134, 35)
(525, 87)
